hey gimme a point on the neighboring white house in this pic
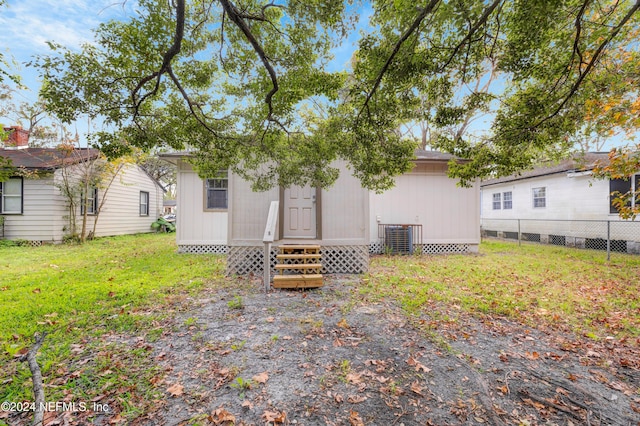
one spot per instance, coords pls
(426, 209)
(34, 208)
(560, 203)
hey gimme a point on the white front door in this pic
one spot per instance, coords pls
(300, 212)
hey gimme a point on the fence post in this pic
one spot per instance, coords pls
(519, 238)
(608, 240)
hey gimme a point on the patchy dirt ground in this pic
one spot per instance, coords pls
(329, 357)
(325, 357)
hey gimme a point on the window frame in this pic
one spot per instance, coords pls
(93, 211)
(496, 201)
(631, 184)
(143, 204)
(506, 206)
(4, 196)
(218, 184)
(535, 199)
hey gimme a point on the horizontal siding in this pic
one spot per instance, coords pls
(41, 207)
(567, 198)
(120, 213)
(194, 224)
(46, 217)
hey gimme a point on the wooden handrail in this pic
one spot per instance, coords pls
(272, 221)
(267, 239)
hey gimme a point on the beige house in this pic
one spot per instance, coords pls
(34, 209)
(425, 212)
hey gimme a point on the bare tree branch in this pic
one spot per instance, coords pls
(36, 377)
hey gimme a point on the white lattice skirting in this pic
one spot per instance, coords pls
(377, 247)
(203, 249)
(335, 260)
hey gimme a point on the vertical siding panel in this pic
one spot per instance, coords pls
(345, 209)
(426, 196)
(194, 224)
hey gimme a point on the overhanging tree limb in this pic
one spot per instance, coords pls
(238, 18)
(166, 59)
(414, 26)
(594, 59)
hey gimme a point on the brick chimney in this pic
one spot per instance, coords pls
(18, 138)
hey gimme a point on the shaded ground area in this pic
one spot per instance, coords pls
(326, 357)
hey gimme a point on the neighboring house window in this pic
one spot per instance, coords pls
(217, 190)
(91, 202)
(496, 201)
(539, 197)
(507, 202)
(11, 196)
(623, 186)
(144, 203)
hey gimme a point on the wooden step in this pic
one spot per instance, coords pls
(297, 281)
(300, 246)
(299, 266)
(298, 256)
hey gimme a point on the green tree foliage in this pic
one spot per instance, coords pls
(246, 84)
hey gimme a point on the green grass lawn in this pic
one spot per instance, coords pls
(78, 294)
(535, 284)
(85, 296)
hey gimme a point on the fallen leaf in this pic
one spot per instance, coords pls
(338, 398)
(21, 352)
(416, 388)
(382, 379)
(274, 416)
(116, 419)
(532, 355)
(417, 365)
(270, 319)
(221, 416)
(354, 378)
(261, 378)
(247, 404)
(343, 323)
(356, 399)
(36, 291)
(355, 419)
(176, 390)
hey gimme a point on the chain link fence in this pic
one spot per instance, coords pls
(612, 236)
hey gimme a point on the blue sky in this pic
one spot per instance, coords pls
(28, 24)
